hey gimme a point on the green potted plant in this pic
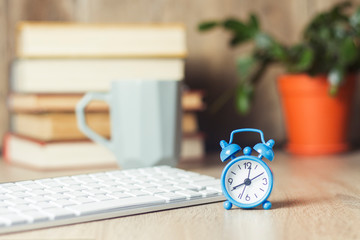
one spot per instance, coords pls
(317, 89)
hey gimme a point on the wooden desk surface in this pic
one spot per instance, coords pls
(313, 198)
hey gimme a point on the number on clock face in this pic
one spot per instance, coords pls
(247, 181)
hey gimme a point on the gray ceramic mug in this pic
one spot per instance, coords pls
(145, 122)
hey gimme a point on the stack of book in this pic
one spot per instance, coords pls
(58, 62)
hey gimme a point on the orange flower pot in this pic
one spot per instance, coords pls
(316, 123)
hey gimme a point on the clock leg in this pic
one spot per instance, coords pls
(227, 205)
(267, 205)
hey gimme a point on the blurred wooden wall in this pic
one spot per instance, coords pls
(210, 64)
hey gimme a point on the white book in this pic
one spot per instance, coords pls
(84, 40)
(83, 75)
(58, 155)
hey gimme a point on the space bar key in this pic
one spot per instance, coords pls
(118, 204)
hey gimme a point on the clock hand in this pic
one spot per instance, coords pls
(257, 176)
(249, 172)
(243, 192)
(244, 182)
(237, 186)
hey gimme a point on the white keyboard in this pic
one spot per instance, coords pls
(28, 205)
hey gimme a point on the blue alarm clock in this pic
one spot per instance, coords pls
(246, 180)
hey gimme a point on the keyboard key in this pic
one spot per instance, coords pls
(81, 176)
(5, 210)
(3, 204)
(207, 183)
(215, 187)
(171, 197)
(112, 189)
(44, 180)
(21, 208)
(75, 187)
(209, 192)
(200, 179)
(117, 175)
(137, 193)
(130, 187)
(36, 199)
(189, 174)
(15, 188)
(58, 213)
(160, 183)
(57, 190)
(120, 195)
(186, 186)
(33, 186)
(39, 192)
(76, 194)
(63, 203)
(94, 185)
(86, 180)
(145, 185)
(4, 197)
(16, 201)
(189, 194)
(69, 182)
(19, 194)
(161, 178)
(81, 200)
(100, 174)
(13, 219)
(3, 191)
(117, 204)
(176, 182)
(24, 182)
(102, 197)
(57, 196)
(7, 184)
(35, 216)
(153, 191)
(127, 182)
(94, 192)
(52, 184)
(198, 187)
(103, 178)
(43, 205)
(62, 179)
(170, 188)
(111, 183)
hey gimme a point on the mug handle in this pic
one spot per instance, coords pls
(81, 121)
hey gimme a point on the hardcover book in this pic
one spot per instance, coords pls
(86, 40)
(58, 155)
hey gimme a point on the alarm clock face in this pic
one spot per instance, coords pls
(247, 182)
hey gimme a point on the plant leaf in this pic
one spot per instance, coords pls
(348, 51)
(355, 18)
(237, 39)
(234, 25)
(244, 97)
(205, 26)
(304, 60)
(335, 77)
(244, 66)
(278, 52)
(254, 22)
(263, 41)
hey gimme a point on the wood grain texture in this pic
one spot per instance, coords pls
(313, 198)
(210, 63)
